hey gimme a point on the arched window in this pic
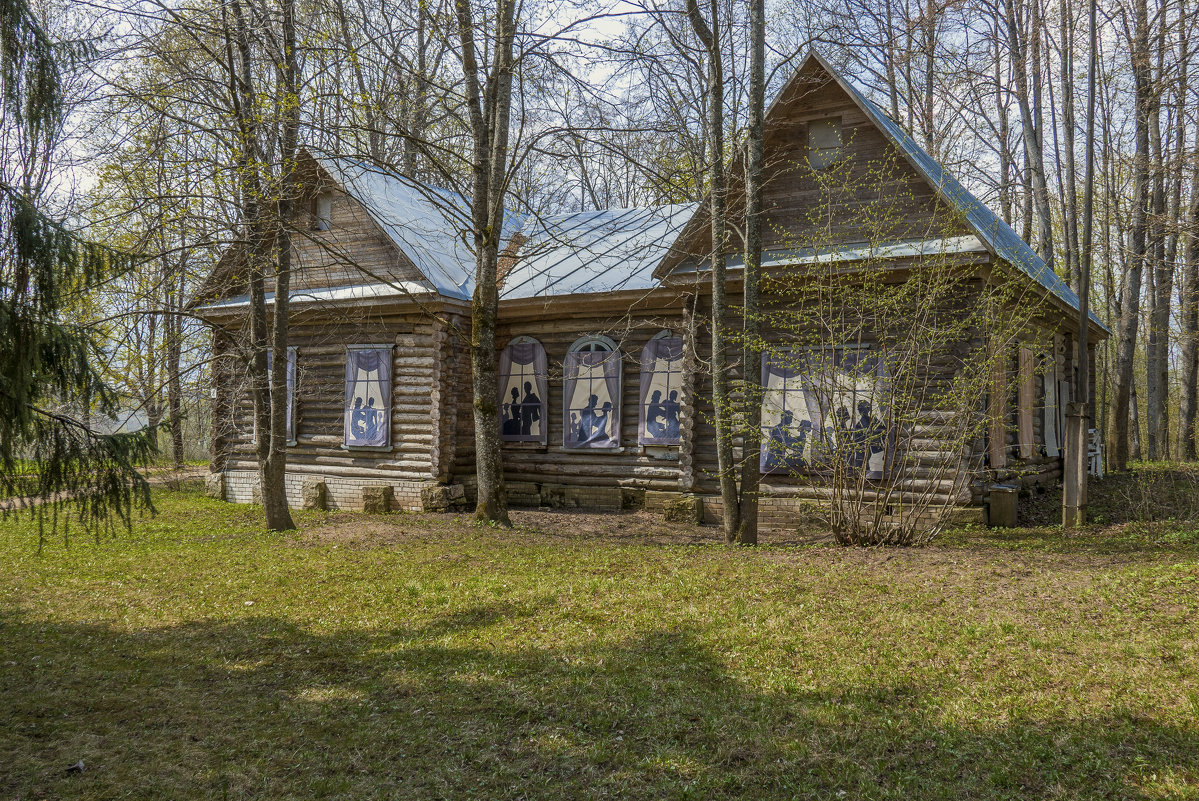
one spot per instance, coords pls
(591, 394)
(661, 384)
(523, 391)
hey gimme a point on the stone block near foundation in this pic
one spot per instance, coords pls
(377, 499)
(632, 499)
(599, 498)
(315, 494)
(443, 498)
(214, 486)
(553, 495)
(656, 500)
(685, 509)
(523, 493)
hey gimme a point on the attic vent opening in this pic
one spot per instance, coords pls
(322, 213)
(824, 142)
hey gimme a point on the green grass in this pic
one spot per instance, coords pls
(199, 657)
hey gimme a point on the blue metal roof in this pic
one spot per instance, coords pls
(593, 251)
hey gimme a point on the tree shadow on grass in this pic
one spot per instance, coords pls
(261, 708)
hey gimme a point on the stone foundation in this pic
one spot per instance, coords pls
(777, 512)
(341, 492)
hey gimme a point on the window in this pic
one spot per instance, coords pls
(824, 142)
(291, 390)
(1049, 422)
(820, 411)
(368, 396)
(323, 213)
(523, 391)
(661, 382)
(1026, 389)
(591, 394)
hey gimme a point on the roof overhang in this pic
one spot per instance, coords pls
(341, 295)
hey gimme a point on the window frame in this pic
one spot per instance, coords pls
(642, 406)
(587, 344)
(812, 466)
(825, 157)
(541, 384)
(389, 406)
(322, 202)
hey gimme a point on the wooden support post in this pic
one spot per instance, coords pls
(1074, 484)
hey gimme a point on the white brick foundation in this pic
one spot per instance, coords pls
(344, 492)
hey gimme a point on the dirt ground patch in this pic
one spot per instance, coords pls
(563, 526)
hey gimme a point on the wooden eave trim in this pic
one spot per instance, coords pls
(598, 302)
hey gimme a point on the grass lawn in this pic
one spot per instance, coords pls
(421, 657)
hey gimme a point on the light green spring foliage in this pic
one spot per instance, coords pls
(48, 378)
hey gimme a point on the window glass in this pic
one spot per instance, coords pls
(821, 410)
(591, 395)
(323, 212)
(523, 390)
(824, 142)
(661, 383)
(291, 390)
(368, 397)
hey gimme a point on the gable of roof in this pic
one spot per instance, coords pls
(593, 251)
(995, 235)
(425, 222)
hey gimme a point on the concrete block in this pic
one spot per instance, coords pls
(315, 494)
(377, 498)
(656, 500)
(632, 498)
(686, 509)
(443, 498)
(553, 495)
(214, 486)
(603, 498)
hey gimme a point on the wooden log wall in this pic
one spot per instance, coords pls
(629, 322)
(419, 383)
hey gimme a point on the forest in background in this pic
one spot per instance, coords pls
(609, 109)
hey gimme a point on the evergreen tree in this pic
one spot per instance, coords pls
(49, 385)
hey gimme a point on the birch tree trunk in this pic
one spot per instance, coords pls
(721, 400)
(1026, 99)
(1123, 416)
(747, 532)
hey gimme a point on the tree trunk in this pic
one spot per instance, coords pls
(721, 400)
(262, 231)
(490, 110)
(1189, 338)
(274, 471)
(1071, 200)
(1033, 151)
(1123, 414)
(1159, 294)
(747, 532)
(175, 386)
